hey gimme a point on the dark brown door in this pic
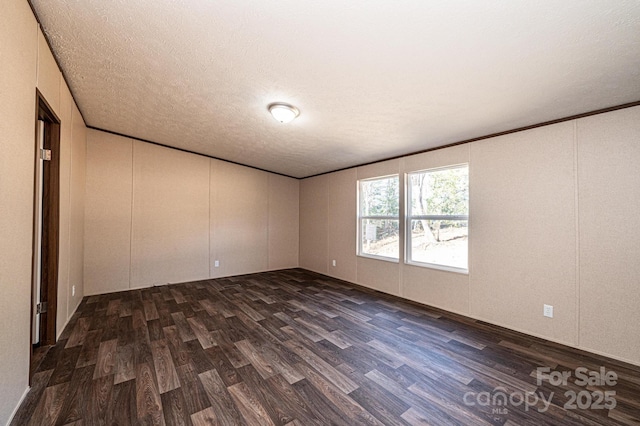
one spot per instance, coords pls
(46, 224)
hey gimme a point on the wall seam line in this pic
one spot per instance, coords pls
(402, 223)
(70, 204)
(209, 273)
(299, 224)
(328, 260)
(268, 221)
(358, 225)
(577, 219)
(470, 232)
(131, 217)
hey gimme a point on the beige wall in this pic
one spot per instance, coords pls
(18, 57)
(170, 225)
(156, 215)
(283, 222)
(552, 221)
(107, 242)
(26, 64)
(76, 209)
(73, 142)
(240, 211)
(54, 89)
(341, 229)
(523, 246)
(314, 227)
(48, 77)
(64, 113)
(609, 230)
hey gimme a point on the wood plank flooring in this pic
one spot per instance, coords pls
(297, 348)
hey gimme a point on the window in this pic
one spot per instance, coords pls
(438, 218)
(378, 217)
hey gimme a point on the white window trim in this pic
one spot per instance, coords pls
(408, 218)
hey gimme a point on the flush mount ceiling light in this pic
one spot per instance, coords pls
(282, 112)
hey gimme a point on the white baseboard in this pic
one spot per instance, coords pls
(15, 410)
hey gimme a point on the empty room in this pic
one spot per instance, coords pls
(319, 213)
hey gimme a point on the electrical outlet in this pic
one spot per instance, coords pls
(73, 290)
(548, 311)
(216, 264)
(334, 262)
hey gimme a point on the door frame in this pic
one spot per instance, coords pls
(50, 223)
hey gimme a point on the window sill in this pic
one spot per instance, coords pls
(464, 271)
(383, 258)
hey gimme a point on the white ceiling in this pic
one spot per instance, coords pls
(373, 79)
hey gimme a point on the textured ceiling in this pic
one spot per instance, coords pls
(373, 79)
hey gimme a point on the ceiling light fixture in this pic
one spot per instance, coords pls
(282, 112)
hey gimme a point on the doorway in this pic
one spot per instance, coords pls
(46, 227)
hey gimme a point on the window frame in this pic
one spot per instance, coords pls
(361, 217)
(409, 218)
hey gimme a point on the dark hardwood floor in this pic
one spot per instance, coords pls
(297, 348)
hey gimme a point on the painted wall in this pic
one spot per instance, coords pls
(523, 247)
(18, 58)
(73, 146)
(552, 220)
(314, 227)
(170, 225)
(609, 232)
(26, 63)
(283, 227)
(108, 213)
(156, 215)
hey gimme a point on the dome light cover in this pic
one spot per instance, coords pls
(283, 113)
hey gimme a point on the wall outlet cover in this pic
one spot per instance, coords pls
(548, 311)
